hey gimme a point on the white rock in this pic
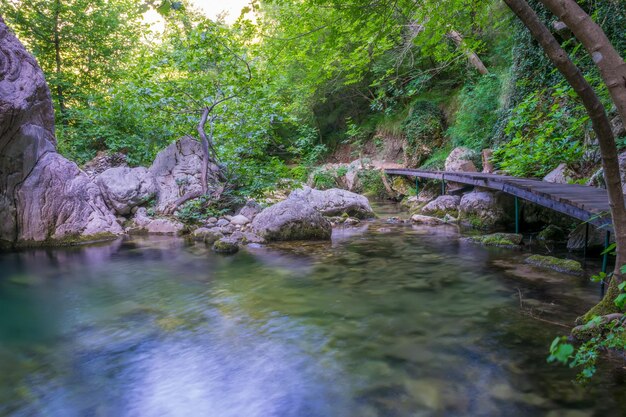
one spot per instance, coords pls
(291, 219)
(461, 160)
(334, 202)
(442, 204)
(124, 188)
(239, 220)
(559, 175)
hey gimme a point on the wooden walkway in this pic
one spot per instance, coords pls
(589, 204)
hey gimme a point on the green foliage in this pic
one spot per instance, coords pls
(610, 335)
(547, 128)
(437, 159)
(324, 179)
(200, 209)
(477, 114)
(372, 183)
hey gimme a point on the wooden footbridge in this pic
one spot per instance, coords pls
(589, 204)
(585, 203)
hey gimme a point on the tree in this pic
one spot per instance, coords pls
(601, 127)
(83, 46)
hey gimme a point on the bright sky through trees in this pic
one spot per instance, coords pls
(214, 7)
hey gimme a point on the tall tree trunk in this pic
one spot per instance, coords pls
(472, 57)
(57, 59)
(611, 65)
(599, 119)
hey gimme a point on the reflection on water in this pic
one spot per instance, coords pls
(387, 320)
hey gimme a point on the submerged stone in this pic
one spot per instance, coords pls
(566, 266)
(503, 240)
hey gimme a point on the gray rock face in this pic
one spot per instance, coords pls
(461, 160)
(42, 195)
(177, 171)
(484, 209)
(291, 219)
(59, 201)
(559, 175)
(442, 205)
(104, 161)
(124, 188)
(334, 202)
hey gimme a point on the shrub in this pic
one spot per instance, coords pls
(423, 128)
(546, 130)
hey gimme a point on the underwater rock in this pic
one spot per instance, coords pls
(566, 266)
(502, 240)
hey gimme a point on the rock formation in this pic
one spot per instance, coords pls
(291, 219)
(177, 172)
(124, 188)
(43, 196)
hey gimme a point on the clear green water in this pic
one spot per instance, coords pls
(388, 320)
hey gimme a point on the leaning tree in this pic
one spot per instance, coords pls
(613, 71)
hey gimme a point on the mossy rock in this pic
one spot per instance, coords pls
(501, 240)
(225, 246)
(552, 233)
(567, 266)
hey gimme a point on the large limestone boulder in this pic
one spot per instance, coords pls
(485, 209)
(461, 160)
(560, 175)
(124, 188)
(442, 205)
(334, 202)
(43, 196)
(58, 201)
(177, 171)
(291, 219)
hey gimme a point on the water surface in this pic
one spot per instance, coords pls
(387, 320)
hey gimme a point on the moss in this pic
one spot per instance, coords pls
(371, 183)
(566, 266)
(502, 240)
(170, 323)
(605, 306)
(226, 247)
(68, 240)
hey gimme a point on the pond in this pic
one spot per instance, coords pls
(387, 320)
